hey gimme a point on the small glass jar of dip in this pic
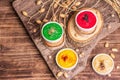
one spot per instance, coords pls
(86, 21)
(67, 59)
(52, 32)
(102, 64)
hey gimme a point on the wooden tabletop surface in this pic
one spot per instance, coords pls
(20, 59)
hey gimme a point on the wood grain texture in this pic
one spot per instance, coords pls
(20, 60)
(106, 11)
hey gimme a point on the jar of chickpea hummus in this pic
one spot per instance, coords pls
(102, 64)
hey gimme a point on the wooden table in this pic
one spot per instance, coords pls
(20, 60)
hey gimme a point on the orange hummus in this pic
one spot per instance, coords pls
(66, 58)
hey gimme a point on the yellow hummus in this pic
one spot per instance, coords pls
(103, 63)
(67, 58)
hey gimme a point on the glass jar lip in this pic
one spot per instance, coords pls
(56, 39)
(84, 29)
